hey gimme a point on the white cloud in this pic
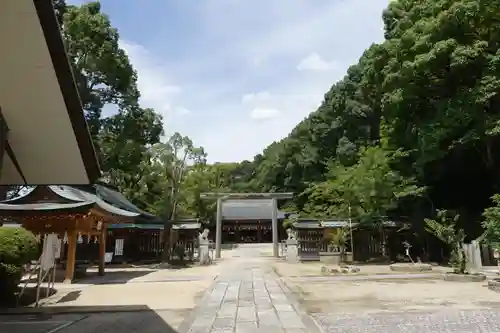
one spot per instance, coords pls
(314, 62)
(156, 90)
(226, 70)
(264, 113)
(181, 111)
(258, 97)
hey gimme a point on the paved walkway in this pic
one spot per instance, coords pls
(248, 297)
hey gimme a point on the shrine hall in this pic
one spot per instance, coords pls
(72, 213)
(249, 221)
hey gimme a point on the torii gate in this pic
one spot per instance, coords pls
(221, 197)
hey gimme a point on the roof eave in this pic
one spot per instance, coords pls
(69, 90)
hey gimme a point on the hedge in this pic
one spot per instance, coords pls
(18, 247)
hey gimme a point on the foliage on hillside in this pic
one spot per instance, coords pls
(429, 91)
(413, 126)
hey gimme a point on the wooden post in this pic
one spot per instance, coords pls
(218, 229)
(102, 250)
(274, 223)
(71, 256)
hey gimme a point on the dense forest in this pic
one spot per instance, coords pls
(411, 128)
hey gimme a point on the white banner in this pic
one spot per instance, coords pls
(119, 246)
(58, 249)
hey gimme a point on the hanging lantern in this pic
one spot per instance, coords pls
(96, 239)
(65, 239)
(80, 238)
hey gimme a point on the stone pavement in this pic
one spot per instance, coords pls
(249, 297)
(248, 300)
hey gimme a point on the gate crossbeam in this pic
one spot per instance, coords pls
(221, 197)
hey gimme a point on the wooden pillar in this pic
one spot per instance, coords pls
(218, 229)
(102, 250)
(71, 256)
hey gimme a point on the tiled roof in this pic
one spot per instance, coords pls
(119, 200)
(74, 197)
(250, 209)
(157, 226)
(337, 223)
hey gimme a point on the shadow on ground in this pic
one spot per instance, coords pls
(112, 277)
(92, 276)
(83, 319)
(27, 297)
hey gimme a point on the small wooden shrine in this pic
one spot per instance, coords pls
(310, 237)
(77, 216)
(142, 241)
(314, 234)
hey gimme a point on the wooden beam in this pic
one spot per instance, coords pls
(214, 195)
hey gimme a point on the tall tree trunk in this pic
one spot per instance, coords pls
(167, 231)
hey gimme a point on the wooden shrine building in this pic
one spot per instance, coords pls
(76, 215)
(142, 241)
(314, 234)
(44, 137)
(249, 221)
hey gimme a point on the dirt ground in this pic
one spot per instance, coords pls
(392, 295)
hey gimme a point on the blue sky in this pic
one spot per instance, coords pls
(236, 75)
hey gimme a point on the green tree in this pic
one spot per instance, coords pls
(126, 158)
(104, 77)
(172, 161)
(442, 81)
(367, 191)
(445, 227)
(429, 90)
(102, 70)
(491, 223)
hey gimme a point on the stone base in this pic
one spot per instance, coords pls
(339, 269)
(464, 277)
(494, 285)
(410, 267)
(292, 251)
(330, 258)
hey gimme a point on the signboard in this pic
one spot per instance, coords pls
(47, 260)
(108, 256)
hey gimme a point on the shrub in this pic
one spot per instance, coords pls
(445, 227)
(18, 247)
